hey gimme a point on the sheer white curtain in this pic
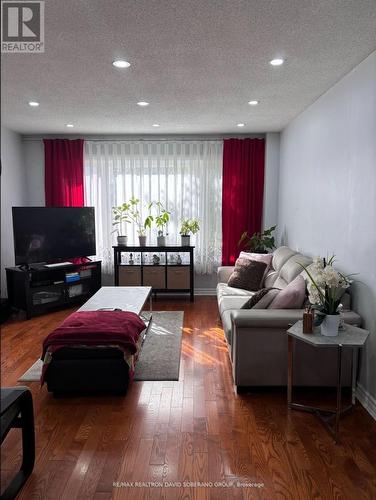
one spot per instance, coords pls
(186, 177)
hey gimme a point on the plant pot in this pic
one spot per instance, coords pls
(185, 240)
(330, 324)
(161, 241)
(142, 241)
(122, 241)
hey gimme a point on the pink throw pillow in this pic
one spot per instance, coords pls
(291, 297)
(260, 257)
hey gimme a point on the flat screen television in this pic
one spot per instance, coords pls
(44, 234)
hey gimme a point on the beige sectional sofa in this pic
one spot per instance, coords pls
(257, 340)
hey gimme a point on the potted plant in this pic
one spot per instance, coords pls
(120, 215)
(188, 227)
(260, 242)
(325, 288)
(129, 212)
(161, 220)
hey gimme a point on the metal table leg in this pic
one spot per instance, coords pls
(339, 392)
(326, 416)
(355, 355)
(290, 368)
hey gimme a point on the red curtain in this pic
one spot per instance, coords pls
(242, 192)
(64, 172)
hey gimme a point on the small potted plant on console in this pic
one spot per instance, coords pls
(188, 227)
(161, 220)
(120, 215)
(129, 212)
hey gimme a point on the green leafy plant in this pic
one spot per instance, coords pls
(161, 218)
(259, 242)
(129, 212)
(189, 226)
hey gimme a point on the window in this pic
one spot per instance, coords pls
(186, 177)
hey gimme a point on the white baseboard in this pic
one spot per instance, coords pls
(205, 291)
(368, 401)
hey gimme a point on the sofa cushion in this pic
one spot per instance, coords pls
(260, 257)
(227, 303)
(255, 298)
(223, 273)
(265, 296)
(267, 299)
(248, 274)
(223, 290)
(291, 297)
(280, 256)
(280, 283)
(270, 279)
(293, 266)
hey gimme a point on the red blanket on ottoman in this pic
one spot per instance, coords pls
(94, 328)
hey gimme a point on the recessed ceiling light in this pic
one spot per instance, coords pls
(253, 103)
(277, 62)
(119, 63)
(34, 104)
(142, 103)
(240, 124)
(69, 125)
(155, 124)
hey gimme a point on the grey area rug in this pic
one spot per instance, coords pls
(160, 353)
(33, 373)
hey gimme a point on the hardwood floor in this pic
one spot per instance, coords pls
(193, 430)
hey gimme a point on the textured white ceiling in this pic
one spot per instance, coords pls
(197, 62)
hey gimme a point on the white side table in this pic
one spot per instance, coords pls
(352, 337)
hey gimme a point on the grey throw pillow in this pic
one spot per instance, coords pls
(261, 299)
(248, 274)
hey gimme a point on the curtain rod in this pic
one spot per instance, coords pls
(142, 139)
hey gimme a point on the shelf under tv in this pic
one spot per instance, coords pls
(25, 285)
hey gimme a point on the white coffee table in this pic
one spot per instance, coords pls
(126, 298)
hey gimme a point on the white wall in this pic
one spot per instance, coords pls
(270, 209)
(34, 166)
(13, 193)
(327, 190)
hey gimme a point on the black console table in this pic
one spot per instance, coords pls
(166, 277)
(38, 289)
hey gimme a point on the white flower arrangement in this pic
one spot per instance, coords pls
(326, 285)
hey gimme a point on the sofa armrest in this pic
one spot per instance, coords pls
(223, 273)
(266, 318)
(259, 345)
(278, 318)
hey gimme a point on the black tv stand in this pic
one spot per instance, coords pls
(31, 267)
(25, 267)
(37, 289)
